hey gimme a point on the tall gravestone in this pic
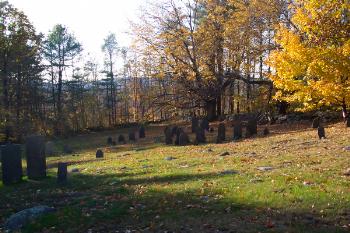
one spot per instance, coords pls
(177, 138)
(168, 136)
(252, 127)
(321, 132)
(237, 130)
(174, 130)
(221, 133)
(36, 159)
(205, 124)
(62, 173)
(142, 133)
(11, 163)
(109, 140)
(200, 135)
(194, 124)
(121, 139)
(132, 136)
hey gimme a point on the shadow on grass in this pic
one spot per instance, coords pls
(127, 201)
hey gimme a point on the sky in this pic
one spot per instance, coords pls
(90, 21)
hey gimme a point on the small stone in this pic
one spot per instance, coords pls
(347, 148)
(75, 170)
(225, 154)
(169, 158)
(256, 180)
(229, 172)
(264, 169)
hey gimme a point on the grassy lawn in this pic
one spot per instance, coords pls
(135, 189)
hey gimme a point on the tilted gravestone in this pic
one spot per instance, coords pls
(142, 133)
(205, 124)
(221, 133)
(132, 136)
(168, 136)
(49, 149)
(121, 139)
(316, 123)
(194, 124)
(200, 135)
(237, 130)
(62, 173)
(348, 122)
(321, 132)
(109, 140)
(252, 128)
(183, 139)
(36, 159)
(11, 162)
(99, 154)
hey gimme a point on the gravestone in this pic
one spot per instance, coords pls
(142, 133)
(316, 123)
(348, 122)
(132, 136)
(237, 130)
(266, 131)
(221, 133)
(321, 132)
(11, 164)
(194, 124)
(49, 151)
(168, 136)
(67, 149)
(174, 130)
(177, 138)
(205, 124)
(252, 127)
(99, 154)
(200, 135)
(109, 140)
(62, 173)
(121, 139)
(36, 159)
(183, 139)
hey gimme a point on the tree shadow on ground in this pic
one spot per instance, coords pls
(122, 202)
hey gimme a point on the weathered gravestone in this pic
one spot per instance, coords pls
(121, 139)
(316, 123)
(132, 136)
(237, 130)
(11, 164)
(221, 133)
(205, 124)
(142, 133)
(177, 138)
(183, 139)
(348, 122)
(99, 154)
(49, 149)
(321, 132)
(62, 173)
(194, 124)
(36, 159)
(266, 131)
(252, 128)
(200, 135)
(109, 140)
(168, 136)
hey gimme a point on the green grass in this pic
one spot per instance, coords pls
(134, 188)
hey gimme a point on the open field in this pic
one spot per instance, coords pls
(149, 187)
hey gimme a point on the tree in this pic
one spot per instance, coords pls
(312, 66)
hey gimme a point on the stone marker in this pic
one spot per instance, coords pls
(316, 123)
(174, 130)
(132, 136)
(109, 140)
(168, 135)
(36, 159)
(177, 138)
(205, 124)
(67, 149)
(321, 132)
(200, 135)
(194, 124)
(252, 128)
(142, 133)
(62, 173)
(183, 139)
(237, 130)
(11, 164)
(348, 122)
(49, 151)
(266, 131)
(20, 219)
(99, 154)
(121, 139)
(221, 133)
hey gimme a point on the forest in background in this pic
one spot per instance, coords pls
(210, 58)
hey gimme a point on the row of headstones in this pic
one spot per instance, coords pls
(132, 137)
(199, 128)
